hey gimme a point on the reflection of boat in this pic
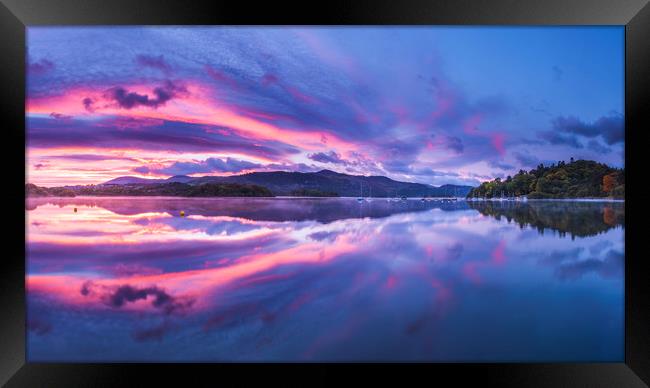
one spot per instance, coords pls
(360, 199)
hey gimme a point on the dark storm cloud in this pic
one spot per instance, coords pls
(611, 128)
(128, 100)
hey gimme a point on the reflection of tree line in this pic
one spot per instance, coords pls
(579, 219)
(321, 209)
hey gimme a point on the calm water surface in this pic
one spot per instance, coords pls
(129, 279)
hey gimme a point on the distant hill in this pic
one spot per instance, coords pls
(130, 180)
(134, 180)
(325, 181)
(165, 189)
(31, 190)
(576, 179)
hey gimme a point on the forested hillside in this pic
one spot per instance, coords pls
(576, 179)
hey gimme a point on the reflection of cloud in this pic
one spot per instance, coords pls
(570, 264)
(38, 326)
(40, 67)
(155, 62)
(118, 297)
(600, 246)
(129, 100)
(455, 251)
(315, 289)
(558, 257)
(154, 333)
(611, 266)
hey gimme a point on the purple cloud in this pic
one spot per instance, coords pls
(177, 136)
(88, 104)
(60, 116)
(501, 165)
(559, 138)
(595, 146)
(208, 166)
(610, 128)
(155, 62)
(328, 157)
(121, 295)
(454, 143)
(40, 67)
(128, 100)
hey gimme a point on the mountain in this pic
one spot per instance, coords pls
(131, 180)
(134, 180)
(179, 178)
(324, 181)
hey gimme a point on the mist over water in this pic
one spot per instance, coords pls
(243, 279)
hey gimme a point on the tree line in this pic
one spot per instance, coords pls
(576, 179)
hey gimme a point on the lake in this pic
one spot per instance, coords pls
(323, 279)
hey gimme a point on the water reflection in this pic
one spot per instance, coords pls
(257, 209)
(578, 219)
(323, 279)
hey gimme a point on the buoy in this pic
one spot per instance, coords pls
(182, 213)
(75, 210)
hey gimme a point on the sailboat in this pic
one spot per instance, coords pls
(360, 199)
(395, 197)
(369, 199)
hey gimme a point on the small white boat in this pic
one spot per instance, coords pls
(360, 199)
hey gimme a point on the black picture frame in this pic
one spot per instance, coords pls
(16, 15)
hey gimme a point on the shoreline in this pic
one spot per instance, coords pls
(333, 198)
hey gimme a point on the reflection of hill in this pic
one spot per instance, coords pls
(268, 209)
(576, 218)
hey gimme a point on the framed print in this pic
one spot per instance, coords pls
(436, 187)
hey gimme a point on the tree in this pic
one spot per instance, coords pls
(609, 182)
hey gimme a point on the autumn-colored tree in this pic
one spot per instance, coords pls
(609, 217)
(609, 182)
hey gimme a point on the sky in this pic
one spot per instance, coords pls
(433, 105)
